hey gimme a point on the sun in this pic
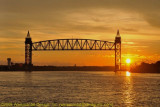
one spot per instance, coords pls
(128, 61)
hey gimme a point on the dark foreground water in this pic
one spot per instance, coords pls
(80, 87)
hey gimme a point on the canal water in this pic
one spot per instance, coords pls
(90, 87)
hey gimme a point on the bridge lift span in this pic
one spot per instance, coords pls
(73, 44)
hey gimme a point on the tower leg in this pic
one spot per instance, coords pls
(28, 55)
(117, 56)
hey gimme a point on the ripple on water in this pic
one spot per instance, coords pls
(79, 87)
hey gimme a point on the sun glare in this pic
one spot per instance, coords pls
(128, 73)
(128, 61)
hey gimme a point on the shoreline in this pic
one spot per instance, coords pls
(82, 70)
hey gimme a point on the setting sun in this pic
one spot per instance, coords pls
(128, 61)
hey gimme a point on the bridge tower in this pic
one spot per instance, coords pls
(118, 52)
(28, 50)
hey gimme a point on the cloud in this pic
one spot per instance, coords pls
(56, 10)
(153, 18)
(97, 19)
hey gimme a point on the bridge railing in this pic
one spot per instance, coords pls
(73, 44)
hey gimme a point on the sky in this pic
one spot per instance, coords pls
(137, 20)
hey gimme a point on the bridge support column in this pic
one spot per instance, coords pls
(117, 52)
(28, 52)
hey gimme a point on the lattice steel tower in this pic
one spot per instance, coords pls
(118, 52)
(28, 50)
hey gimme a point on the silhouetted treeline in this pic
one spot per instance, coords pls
(147, 68)
(58, 68)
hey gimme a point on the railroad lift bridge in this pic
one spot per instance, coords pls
(73, 45)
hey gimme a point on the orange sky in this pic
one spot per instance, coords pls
(137, 20)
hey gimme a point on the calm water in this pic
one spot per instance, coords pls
(80, 87)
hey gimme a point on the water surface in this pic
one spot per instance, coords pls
(80, 87)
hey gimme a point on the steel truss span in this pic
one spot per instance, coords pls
(73, 44)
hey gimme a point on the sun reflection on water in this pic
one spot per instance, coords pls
(128, 91)
(128, 73)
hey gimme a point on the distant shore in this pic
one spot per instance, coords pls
(147, 68)
(143, 68)
(58, 68)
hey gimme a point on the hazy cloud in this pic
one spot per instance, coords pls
(43, 9)
(97, 19)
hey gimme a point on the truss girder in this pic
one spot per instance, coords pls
(73, 44)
